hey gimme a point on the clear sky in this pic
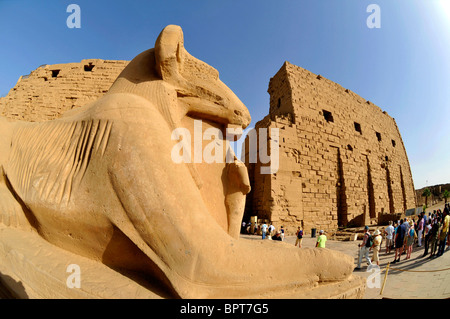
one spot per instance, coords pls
(403, 66)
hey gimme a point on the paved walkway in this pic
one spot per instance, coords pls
(420, 281)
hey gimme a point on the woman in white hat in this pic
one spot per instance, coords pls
(376, 246)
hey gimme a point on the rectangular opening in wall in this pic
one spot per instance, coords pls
(378, 136)
(340, 188)
(370, 191)
(279, 103)
(358, 128)
(389, 190)
(88, 68)
(55, 73)
(328, 116)
(402, 184)
(393, 143)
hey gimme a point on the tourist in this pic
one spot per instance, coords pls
(271, 229)
(399, 241)
(282, 233)
(444, 232)
(396, 224)
(255, 229)
(365, 248)
(420, 228)
(277, 236)
(410, 237)
(264, 230)
(407, 226)
(435, 230)
(321, 240)
(376, 246)
(425, 223)
(389, 232)
(299, 239)
(447, 209)
(427, 237)
(406, 222)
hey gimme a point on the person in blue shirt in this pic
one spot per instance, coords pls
(399, 241)
(264, 230)
(299, 239)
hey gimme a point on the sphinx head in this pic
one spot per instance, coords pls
(197, 84)
(191, 86)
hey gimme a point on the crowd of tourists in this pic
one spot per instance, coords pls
(266, 231)
(430, 231)
(269, 232)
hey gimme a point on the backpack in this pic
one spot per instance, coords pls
(369, 241)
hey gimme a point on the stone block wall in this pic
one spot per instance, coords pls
(50, 90)
(342, 159)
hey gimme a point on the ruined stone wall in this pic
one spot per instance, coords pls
(436, 194)
(342, 159)
(50, 90)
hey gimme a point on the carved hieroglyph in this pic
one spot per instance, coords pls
(98, 188)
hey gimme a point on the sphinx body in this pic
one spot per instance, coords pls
(100, 182)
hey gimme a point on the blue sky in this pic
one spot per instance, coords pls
(403, 67)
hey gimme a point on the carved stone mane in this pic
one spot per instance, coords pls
(52, 157)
